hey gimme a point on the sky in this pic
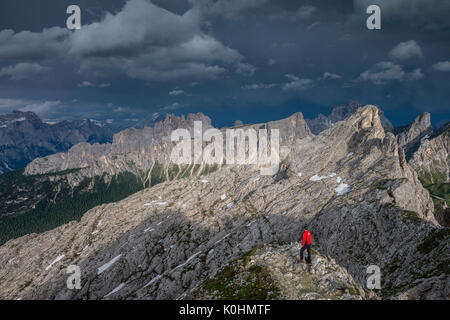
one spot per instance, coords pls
(252, 60)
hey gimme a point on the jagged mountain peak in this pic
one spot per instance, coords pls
(170, 119)
(423, 120)
(17, 117)
(411, 137)
(339, 113)
(367, 117)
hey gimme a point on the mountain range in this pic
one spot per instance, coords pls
(24, 137)
(141, 227)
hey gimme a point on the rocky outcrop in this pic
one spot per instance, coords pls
(339, 113)
(431, 160)
(24, 137)
(350, 184)
(410, 137)
(443, 215)
(272, 272)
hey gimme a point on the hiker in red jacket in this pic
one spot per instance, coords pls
(306, 245)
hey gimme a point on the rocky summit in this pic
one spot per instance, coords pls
(339, 113)
(231, 233)
(412, 136)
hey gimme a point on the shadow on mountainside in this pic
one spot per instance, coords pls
(168, 255)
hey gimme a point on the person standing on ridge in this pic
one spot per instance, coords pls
(306, 245)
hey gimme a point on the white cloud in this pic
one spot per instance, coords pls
(382, 72)
(6, 103)
(246, 69)
(416, 74)
(406, 50)
(42, 107)
(176, 92)
(385, 71)
(313, 25)
(333, 76)
(119, 109)
(297, 84)
(23, 70)
(256, 86)
(443, 66)
(87, 84)
(173, 106)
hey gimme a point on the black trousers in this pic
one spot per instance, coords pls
(306, 247)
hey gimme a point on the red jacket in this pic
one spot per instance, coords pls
(306, 238)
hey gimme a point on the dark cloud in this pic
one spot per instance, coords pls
(23, 71)
(229, 9)
(142, 41)
(51, 42)
(226, 58)
(422, 14)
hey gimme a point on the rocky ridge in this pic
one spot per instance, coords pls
(412, 136)
(351, 184)
(138, 151)
(431, 160)
(272, 272)
(339, 113)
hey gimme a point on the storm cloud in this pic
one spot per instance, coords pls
(255, 60)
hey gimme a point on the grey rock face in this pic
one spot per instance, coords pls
(137, 151)
(351, 184)
(339, 113)
(431, 160)
(410, 137)
(132, 150)
(24, 137)
(443, 214)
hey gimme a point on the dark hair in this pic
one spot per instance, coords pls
(305, 227)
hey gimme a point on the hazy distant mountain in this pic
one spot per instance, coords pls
(24, 137)
(150, 121)
(339, 113)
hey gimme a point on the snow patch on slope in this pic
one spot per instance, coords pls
(108, 264)
(342, 189)
(58, 258)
